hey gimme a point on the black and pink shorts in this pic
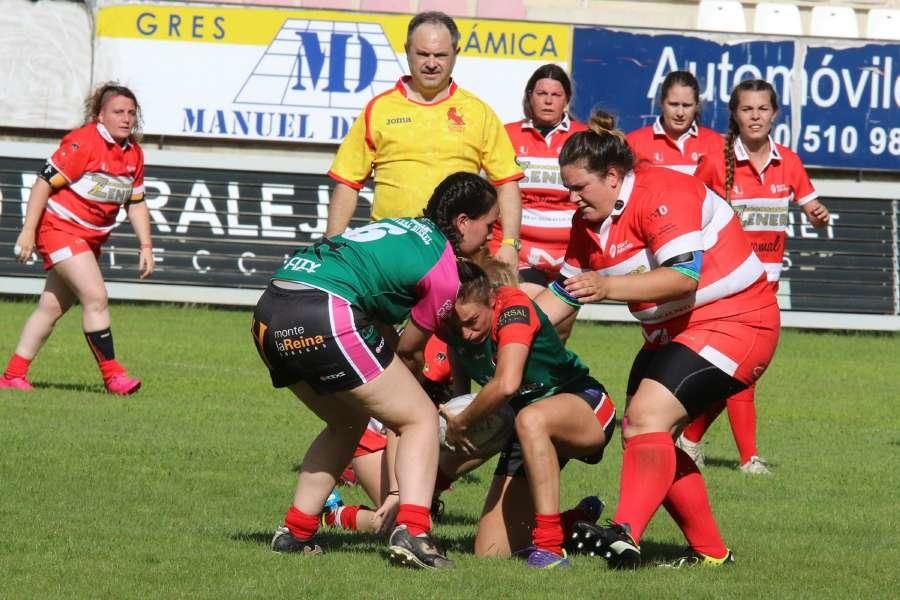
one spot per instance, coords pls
(306, 334)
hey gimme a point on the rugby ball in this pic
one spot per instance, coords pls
(488, 435)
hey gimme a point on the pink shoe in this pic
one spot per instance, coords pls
(15, 383)
(122, 385)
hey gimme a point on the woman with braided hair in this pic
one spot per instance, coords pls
(674, 251)
(315, 330)
(760, 179)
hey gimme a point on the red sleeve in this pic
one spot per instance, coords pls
(803, 188)
(711, 172)
(515, 320)
(137, 188)
(578, 252)
(73, 155)
(436, 367)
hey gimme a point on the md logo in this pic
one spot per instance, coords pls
(323, 64)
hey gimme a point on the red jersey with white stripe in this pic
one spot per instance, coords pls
(546, 209)
(661, 214)
(100, 176)
(762, 198)
(653, 144)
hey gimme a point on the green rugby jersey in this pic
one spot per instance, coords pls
(550, 366)
(391, 268)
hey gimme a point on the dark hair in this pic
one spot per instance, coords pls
(459, 194)
(474, 284)
(749, 85)
(98, 98)
(434, 17)
(684, 78)
(600, 147)
(548, 71)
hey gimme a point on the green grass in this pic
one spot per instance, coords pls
(174, 492)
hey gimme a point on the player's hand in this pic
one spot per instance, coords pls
(24, 246)
(588, 287)
(455, 436)
(818, 214)
(383, 520)
(508, 255)
(146, 263)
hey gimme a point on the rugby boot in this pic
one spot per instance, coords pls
(613, 543)
(416, 551)
(695, 559)
(755, 466)
(284, 542)
(15, 383)
(544, 559)
(121, 384)
(692, 449)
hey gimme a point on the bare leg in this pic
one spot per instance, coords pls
(81, 274)
(54, 301)
(507, 518)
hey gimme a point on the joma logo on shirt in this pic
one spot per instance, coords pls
(398, 120)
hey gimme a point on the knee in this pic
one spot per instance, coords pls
(530, 424)
(95, 300)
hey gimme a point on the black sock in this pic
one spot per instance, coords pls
(101, 344)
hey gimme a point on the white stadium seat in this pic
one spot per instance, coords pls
(883, 24)
(721, 15)
(834, 21)
(777, 18)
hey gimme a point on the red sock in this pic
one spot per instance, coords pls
(442, 483)
(108, 368)
(17, 366)
(688, 504)
(344, 517)
(416, 518)
(301, 525)
(548, 533)
(648, 469)
(696, 428)
(742, 415)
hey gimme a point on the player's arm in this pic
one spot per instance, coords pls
(37, 202)
(664, 283)
(341, 209)
(139, 216)
(510, 202)
(817, 213)
(557, 303)
(409, 347)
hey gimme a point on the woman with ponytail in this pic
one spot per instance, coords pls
(674, 251)
(676, 139)
(315, 330)
(760, 179)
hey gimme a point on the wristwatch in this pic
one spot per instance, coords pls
(517, 244)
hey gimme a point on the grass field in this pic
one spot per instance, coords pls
(174, 492)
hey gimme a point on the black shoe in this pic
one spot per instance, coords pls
(437, 510)
(418, 552)
(613, 543)
(284, 541)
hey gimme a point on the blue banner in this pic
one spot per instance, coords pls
(840, 107)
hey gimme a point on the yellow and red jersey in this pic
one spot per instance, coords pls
(762, 198)
(654, 145)
(93, 176)
(413, 146)
(661, 214)
(546, 208)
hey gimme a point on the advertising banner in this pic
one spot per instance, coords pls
(232, 229)
(295, 75)
(840, 105)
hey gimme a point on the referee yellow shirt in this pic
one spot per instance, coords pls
(412, 147)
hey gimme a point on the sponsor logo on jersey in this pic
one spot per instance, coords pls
(616, 249)
(300, 344)
(513, 314)
(398, 120)
(298, 263)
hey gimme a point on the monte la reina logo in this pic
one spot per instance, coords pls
(296, 75)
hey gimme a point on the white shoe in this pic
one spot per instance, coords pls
(693, 449)
(755, 466)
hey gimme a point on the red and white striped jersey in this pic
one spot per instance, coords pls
(100, 176)
(653, 144)
(761, 199)
(661, 214)
(546, 209)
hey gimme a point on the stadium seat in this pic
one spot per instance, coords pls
(721, 15)
(393, 6)
(339, 4)
(454, 8)
(777, 18)
(883, 24)
(834, 21)
(509, 9)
